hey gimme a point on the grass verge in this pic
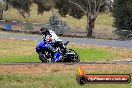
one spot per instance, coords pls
(51, 80)
(24, 51)
(57, 75)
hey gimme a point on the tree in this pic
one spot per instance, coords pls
(123, 14)
(23, 6)
(78, 8)
(110, 5)
(1, 11)
(2, 8)
(75, 8)
(57, 25)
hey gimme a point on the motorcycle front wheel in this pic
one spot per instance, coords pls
(42, 57)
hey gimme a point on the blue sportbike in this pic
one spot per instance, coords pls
(45, 55)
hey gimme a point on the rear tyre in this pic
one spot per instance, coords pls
(42, 57)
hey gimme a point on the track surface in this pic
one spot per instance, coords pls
(111, 43)
(128, 61)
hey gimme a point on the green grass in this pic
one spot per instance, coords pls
(24, 51)
(94, 54)
(51, 80)
(91, 54)
(21, 58)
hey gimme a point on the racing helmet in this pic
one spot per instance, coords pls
(44, 30)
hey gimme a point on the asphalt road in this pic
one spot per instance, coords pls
(111, 43)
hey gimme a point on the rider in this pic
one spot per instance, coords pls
(51, 37)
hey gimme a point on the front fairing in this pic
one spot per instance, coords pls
(41, 44)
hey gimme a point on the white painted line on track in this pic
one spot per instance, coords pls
(95, 45)
(11, 38)
(73, 43)
(104, 46)
(24, 39)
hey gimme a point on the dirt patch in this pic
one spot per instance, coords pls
(63, 68)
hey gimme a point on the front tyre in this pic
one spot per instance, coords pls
(42, 57)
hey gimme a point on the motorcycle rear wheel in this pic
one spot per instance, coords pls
(76, 58)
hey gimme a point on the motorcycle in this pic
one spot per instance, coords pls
(45, 55)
